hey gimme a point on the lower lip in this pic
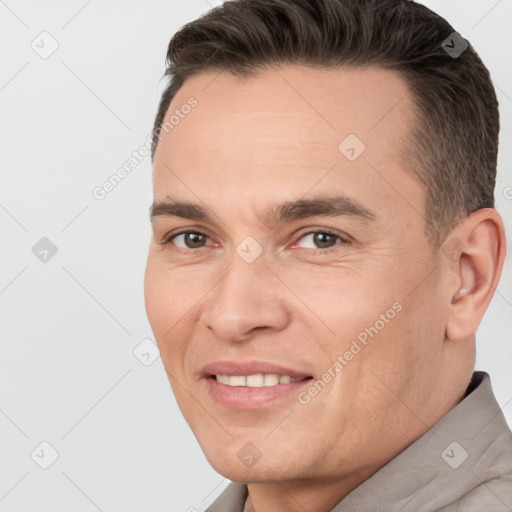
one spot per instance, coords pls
(243, 397)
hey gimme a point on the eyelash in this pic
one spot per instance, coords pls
(327, 231)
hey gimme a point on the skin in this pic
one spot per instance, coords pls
(257, 142)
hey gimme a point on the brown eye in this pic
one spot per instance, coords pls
(189, 240)
(319, 240)
(323, 240)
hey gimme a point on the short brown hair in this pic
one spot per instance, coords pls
(453, 146)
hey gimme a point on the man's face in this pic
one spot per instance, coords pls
(352, 277)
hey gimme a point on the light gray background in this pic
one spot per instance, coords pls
(68, 375)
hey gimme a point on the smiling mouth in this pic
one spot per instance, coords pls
(257, 380)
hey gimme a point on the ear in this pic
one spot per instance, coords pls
(475, 253)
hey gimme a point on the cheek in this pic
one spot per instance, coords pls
(170, 296)
(342, 302)
(164, 310)
(174, 298)
(158, 299)
(364, 320)
(167, 304)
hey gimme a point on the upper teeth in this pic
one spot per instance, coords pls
(257, 380)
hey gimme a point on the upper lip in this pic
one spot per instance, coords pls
(249, 368)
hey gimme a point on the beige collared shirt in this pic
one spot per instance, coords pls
(462, 464)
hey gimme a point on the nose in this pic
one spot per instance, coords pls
(249, 298)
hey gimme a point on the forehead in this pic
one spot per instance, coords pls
(282, 129)
(321, 104)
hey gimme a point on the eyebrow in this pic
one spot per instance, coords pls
(331, 206)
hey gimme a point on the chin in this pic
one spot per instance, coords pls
(257, 474)
(249, 465)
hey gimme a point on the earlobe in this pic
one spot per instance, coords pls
(478, 270)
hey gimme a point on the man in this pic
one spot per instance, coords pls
(325, 247)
